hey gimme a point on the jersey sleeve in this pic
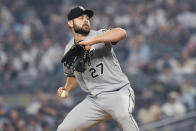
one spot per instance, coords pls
(69, 72)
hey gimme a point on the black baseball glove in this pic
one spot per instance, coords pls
(76, 58)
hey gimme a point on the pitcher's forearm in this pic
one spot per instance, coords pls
(113, 35)
(71, 84)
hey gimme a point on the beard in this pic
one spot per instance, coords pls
(84, 30)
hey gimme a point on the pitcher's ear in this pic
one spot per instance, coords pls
(70, 23)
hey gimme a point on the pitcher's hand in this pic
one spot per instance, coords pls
(61, 92)
(86, 43)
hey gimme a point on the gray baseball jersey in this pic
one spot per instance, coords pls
(103, 72)
(107, 85)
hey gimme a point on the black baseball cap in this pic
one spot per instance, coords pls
(78, 11)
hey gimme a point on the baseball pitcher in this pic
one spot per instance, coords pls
(89, 60)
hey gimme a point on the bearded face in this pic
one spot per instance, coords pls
(83, 29)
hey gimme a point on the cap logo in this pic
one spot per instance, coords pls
(81, 7)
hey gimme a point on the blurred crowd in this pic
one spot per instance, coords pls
(158, 55)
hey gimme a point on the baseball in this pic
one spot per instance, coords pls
(63, 94)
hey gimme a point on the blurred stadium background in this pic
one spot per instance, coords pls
(158, 55)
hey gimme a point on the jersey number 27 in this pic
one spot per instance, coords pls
(94, 71)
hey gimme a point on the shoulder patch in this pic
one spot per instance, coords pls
(103, 30)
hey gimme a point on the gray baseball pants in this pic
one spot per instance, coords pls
(95, 109)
